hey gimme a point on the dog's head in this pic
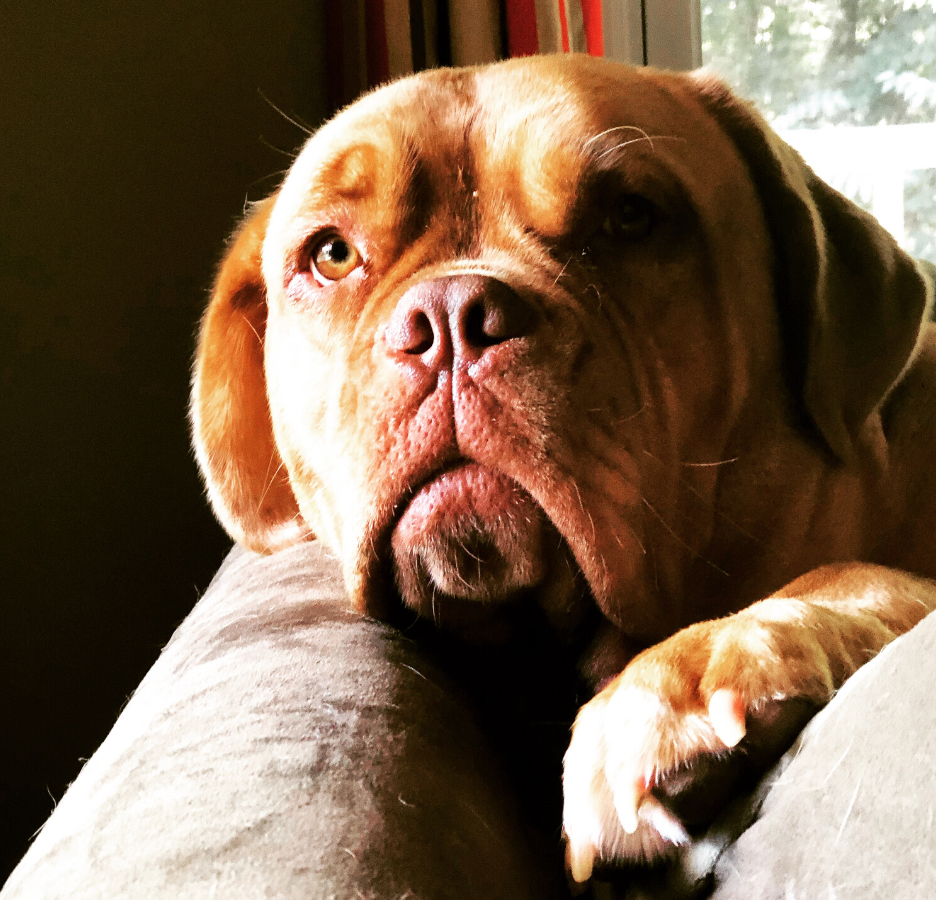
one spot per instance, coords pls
(491, 314)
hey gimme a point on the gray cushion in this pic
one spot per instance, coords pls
(283, 747)
(850, 809)
(849, 812)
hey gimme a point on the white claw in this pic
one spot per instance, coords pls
(727, 714)
(667, 825)
(580, 861)
(627, 802)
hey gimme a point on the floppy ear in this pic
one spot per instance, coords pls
(851, 303)
(231, 427)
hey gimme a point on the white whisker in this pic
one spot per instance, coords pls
(721, 462)
(680, 541)
(708, 502)
(633, 415)
(303, 128)
(644, 138)
(608, 131)
(271, 480)
(254, 330)
(562, 271)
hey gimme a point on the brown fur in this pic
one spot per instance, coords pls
(672, 425)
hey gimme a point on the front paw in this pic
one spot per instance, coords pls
(660, 751)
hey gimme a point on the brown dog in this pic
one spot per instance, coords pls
(564, 330)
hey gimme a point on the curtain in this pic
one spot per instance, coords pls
(369, 42)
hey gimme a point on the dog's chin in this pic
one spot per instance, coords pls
(469, 541)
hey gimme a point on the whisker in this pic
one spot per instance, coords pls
(562, 271)
(472, 555)
(709, 503)
(458, 574)
(633, 534)
(608, 131)
(276, 149)
(656, 137)
(636, 539)
(649, 138)
(263, 178)
(633, 415)
(680, 541)
(721, 462)
(254, 330)
(270, 482)
(644, 138)
(300, 126)
(587, 513)
(624, 144)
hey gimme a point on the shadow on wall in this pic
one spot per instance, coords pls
(130, 138)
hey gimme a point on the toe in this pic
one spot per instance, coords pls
(727, 713)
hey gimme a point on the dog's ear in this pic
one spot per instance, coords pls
(851, 303)
(231, 427)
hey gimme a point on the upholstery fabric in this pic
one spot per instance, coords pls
(284, 747)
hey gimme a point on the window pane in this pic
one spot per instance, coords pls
(852, 85)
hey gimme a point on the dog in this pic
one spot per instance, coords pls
(592, 337)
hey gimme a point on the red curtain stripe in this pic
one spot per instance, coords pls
(594, 32)
(522, 39)
(564, 23)
(360, 51)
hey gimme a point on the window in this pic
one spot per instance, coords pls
(850, 83)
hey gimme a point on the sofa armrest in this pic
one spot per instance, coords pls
(284, 747)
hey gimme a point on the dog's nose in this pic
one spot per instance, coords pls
(456, 317)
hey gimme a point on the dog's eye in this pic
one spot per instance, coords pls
(632, 217)
(333, 258)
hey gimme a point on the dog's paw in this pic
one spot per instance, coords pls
(663, 748)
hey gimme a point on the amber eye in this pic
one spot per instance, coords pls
(632, 217)
(333, 258)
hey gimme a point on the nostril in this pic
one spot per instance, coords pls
(474, 325)
(495, 317)
(422, 335)
(463, 316)
(503, 321)
(411, 333)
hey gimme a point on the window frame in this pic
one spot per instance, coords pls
(668, 34)
(662, 33)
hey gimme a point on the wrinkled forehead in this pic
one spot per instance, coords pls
(387, 132)
(535, 127)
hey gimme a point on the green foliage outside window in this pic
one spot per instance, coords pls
(812, 63)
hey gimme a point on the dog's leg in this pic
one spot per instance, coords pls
(687, 716)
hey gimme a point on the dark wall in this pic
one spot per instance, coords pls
(130, 137)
